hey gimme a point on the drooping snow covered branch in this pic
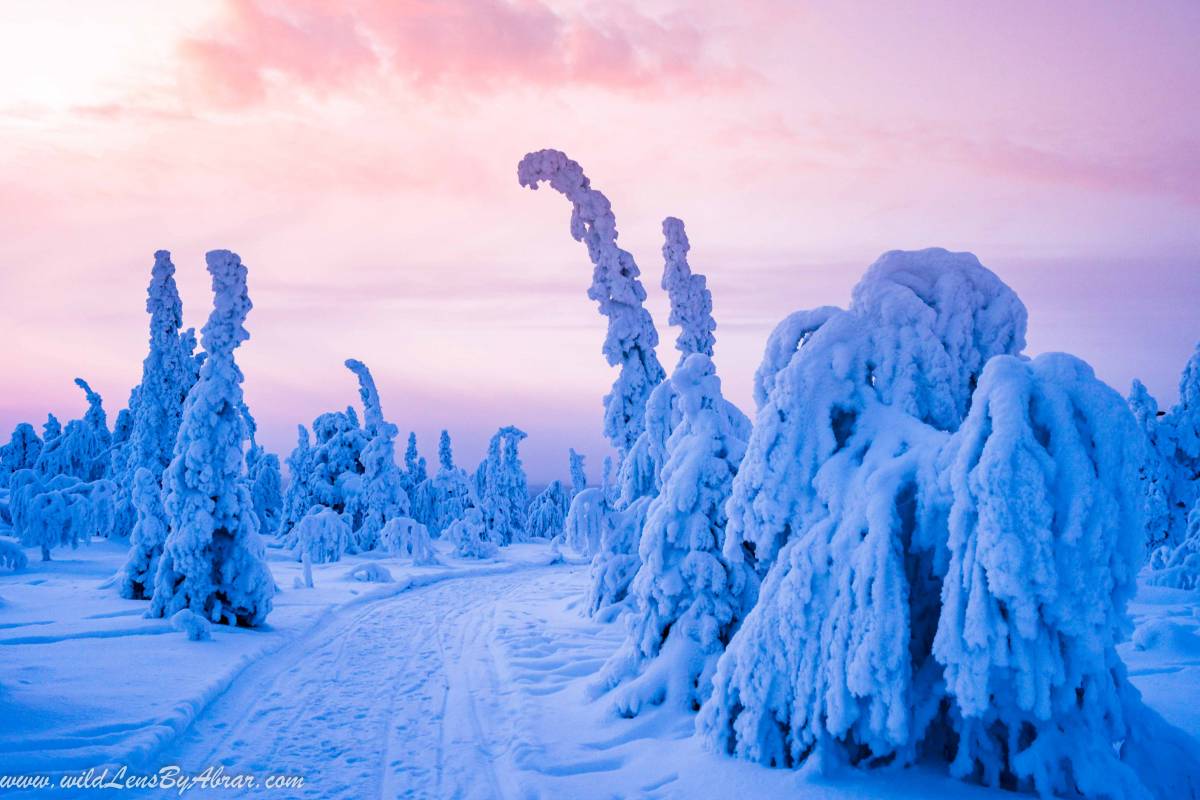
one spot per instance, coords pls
(631, 337)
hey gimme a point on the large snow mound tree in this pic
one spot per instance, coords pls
(213, 559)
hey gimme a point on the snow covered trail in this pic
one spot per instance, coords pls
(404, 699)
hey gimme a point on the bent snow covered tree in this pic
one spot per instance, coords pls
(946, 567)
(213, 559)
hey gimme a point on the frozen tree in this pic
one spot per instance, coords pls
(335, 477)
(414, 463)
(588, 521)
(836, 505)
(404, 536)
(1181, 445)
(1180, 566)
(468, 534)
(322, 536)
(266, 492)
(213, 558)
(691, 301)
(383, 495)
(59, 511)
(502, 488)
(548, 512)
(147, 538)
(21, 452)
(1044, 545)
(12, 556)
(1153, 475)
(684, 594)
(631, 337)
(82, 449)
(578, 476)
(299, 495)
(51, 429)
(451, 491)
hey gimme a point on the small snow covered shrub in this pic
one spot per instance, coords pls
(1179, 567)
(370, 573)
(403, 536)
(12, 556)
(213, 560)
(548, 512)
(197, 628)
(322, 535)
(684, 594)
(469, 536)
(147, 539)
(588, 519)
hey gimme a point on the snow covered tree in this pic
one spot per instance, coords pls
(383, 494)
(631, 337)
(322, 536)
(266, 492)
(414, 463)
(51, 429)
(469, 536)
(1153, 476)
(588, 522)
(82, 449)
(59, 511)
(836, 505)
(684, 593)
(12, 556)
(21, 452)
(578, 476)
(213, 558)
(1180, 566)
(691, 301)
(147, 538)
(1181, 427)
(404, 536)
(451, 491)
(502, 488)
(1044, 544)
(548, 512)
(299, 495)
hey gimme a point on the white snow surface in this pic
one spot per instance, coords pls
(464, 680)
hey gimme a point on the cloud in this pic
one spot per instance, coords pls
(464, 45)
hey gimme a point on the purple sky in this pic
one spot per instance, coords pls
(363, 165)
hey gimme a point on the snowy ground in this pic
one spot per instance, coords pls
(462, 680)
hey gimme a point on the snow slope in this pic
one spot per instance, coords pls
(464, 680)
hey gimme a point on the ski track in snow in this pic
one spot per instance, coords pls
(419, 695)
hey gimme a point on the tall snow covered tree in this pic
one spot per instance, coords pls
(383, 494)
(21, 452)
(414, 463)
(691, 301)
(578, 476)
(451, 491)
(1182, 445)
(616, 289)
(213, 561)
(833, 505)
(168, 371)
(684, 593)
(502, 488)
(51, 429)
(1153, 475)
(548, 511)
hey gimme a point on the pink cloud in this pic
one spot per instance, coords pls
(460, 44)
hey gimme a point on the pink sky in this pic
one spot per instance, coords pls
(362, 162)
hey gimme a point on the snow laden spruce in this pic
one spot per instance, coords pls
(213, 558)
(948, 537)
